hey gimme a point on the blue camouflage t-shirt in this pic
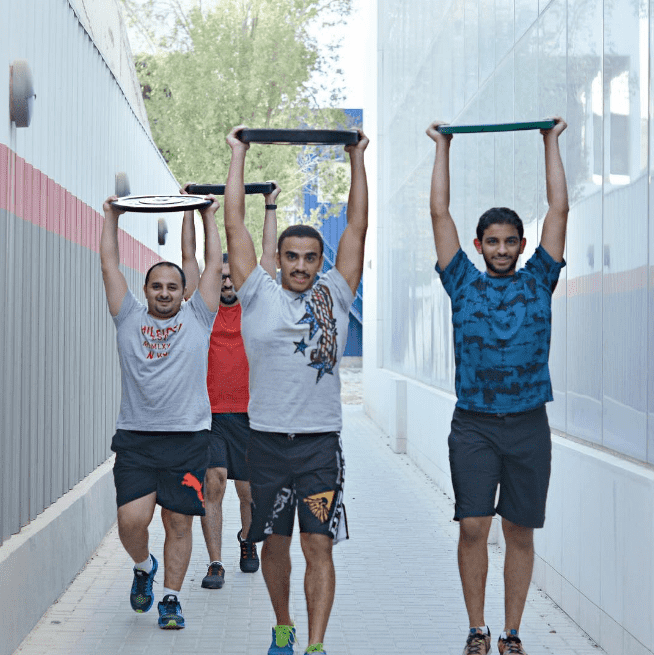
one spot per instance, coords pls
(502, 329)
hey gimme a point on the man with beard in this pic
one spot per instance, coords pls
(161, 431)
(500, 434)
(294, 336)
(228, 387)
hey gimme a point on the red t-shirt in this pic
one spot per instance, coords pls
(228, 373)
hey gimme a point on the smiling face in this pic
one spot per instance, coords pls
(500, 247)
(164, 292)
(299, 260)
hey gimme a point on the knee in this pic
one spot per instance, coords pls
(215, 482)
(517, 535)
(177, 526)
(474, 530)
(317, 548)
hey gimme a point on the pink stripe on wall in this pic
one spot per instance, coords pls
(32, 196)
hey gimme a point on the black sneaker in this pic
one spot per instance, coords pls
(170, 613)
(249, 559)
(141, 597)
(215, 577)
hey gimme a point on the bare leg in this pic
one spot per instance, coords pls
(319, 582)
(177, 547)
(133, 521)
(215, 481)
(473, 565)
(245, 499)
(518, 567)
(276, 569)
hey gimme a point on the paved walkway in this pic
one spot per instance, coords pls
(398, 588)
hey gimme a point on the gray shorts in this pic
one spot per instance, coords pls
(228, 442)
(513, 451)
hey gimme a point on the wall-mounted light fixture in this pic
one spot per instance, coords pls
(21, 93)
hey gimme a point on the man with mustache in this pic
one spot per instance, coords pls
(294, 336)
(161, 431)
(228, 386)
(500, 434)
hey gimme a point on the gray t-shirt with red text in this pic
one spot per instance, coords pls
(294, 342)
(163, 367)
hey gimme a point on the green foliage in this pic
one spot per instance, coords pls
(249, 62)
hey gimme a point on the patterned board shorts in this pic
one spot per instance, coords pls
(297, 471)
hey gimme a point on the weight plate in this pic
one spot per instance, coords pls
(161, 203)
(305, 137)
(497, 127)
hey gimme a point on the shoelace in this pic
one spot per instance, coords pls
(283, 634)
(475, 644)
(247, 550)
(315, 648)
(171, 604)
(214, 569)
(513, 645)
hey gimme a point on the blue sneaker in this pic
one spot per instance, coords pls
(283, 639)
(141, 596)
(315, 649)
(170, 613)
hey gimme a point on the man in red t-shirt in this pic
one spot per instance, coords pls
(228, 387)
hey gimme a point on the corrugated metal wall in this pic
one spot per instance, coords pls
(59, 375)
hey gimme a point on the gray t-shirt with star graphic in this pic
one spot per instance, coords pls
(294, 342)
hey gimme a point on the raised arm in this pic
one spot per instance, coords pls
(115, 285)
(556, 220)
(211, 279)
(349, 257)
(269, 243)
(242, 256)
(189, 260)
(446, 237)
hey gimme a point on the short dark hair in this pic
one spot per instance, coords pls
(300, 230)
(172, 265)
(499, 216)
(225, 258)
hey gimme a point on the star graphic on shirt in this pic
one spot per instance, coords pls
(300, 346)
(322, 368)
(310, 318)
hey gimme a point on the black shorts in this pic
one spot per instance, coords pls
(513, 451)
(170, 463)
(228, 444)
(303, 471)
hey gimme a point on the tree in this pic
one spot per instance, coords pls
(243, 61)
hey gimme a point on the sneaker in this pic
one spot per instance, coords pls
(315, 649)
(283, 638)
(215, 577)
(510, 644)
(249, 559)
(141, 597)
(170, 613)
(477, 643)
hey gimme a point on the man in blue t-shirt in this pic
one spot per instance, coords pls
(500, 434)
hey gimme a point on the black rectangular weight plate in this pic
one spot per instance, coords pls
(219, 189)
(497, 127)
(299, 137)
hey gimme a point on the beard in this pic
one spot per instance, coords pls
(228, 300)
(509, 270)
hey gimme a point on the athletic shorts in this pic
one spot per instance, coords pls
(513, 451)
(228, 444)
(296, 471)
(172, 464)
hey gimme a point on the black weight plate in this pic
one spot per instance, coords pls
(497, 127)
(219, 189)
(161, 203)
(304, 137)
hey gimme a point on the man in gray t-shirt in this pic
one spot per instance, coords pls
(161, 432)
(294, 335)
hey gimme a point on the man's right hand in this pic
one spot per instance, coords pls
(234, 142)
(435, 135)
(110, 209)
(272, 196)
